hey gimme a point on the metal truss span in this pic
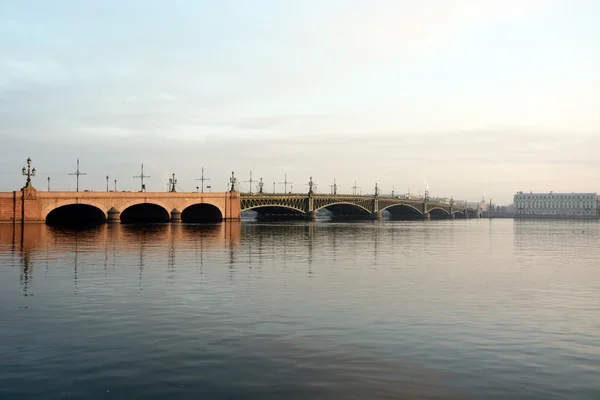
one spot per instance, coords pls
(345, 204)
(256, 202)
(349, 206)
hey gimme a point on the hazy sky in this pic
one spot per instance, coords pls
(466, 97)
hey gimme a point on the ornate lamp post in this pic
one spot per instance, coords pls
(233, 181)
(172, 183)
(334, 187)
(48, 183)
(29, 173)
(311, 185)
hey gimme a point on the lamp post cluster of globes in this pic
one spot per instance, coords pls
(29, 172)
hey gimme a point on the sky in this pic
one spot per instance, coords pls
(461, 97)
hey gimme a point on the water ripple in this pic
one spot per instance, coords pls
(445, 309)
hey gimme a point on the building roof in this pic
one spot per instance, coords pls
(556, 194)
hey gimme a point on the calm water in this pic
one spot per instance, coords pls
(441, 309)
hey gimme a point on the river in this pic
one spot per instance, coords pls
(465, 309)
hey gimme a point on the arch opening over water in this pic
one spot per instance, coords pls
(275, 213)
(404, 212)
(76, 215)
(439, 213)
(201, 213)
(346, 210)
(145, 213)
(459, 214)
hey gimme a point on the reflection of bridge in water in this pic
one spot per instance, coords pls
(114, 248)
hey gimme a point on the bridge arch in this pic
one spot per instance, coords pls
(124, 206)
(144, 212)
(201, 212)
(274, 212)
(345, 208)
(75, 214)
(439, 211)
(63, 203)
(267, 207)
(403, 209)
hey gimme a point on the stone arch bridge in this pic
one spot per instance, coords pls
(30, 205)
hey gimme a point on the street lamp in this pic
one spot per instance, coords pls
(29, 173)
(172, 183)
(232, 181)
(107, 183)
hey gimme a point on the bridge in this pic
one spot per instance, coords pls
(31, 205)
(88, 207)
(352, 207)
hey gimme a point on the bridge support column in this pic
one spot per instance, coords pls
(114, 216)
(427, 216)
(175, 215)
(377, 215)
(311, 215)
(452, 216)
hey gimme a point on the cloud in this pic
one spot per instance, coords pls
(393, 91)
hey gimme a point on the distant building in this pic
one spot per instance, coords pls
(442, 200)
(556, 205)
(478, 205)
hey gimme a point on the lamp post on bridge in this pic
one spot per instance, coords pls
(334, 187)
(260, 186)
(250, 181)
(232, 181)
(354, 188)
(311, 185)
(376, 190)
(202, 179)
(29, 173)
(48, 183)
(172, 183)
(77, 174)
(107, 183)
(142, 176)
(285, 183)
(115, 185)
